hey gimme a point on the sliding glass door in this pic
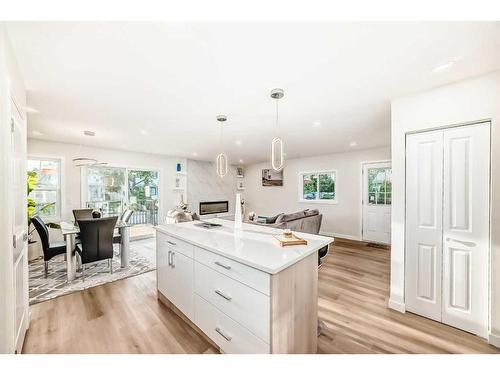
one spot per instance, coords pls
(114, 189)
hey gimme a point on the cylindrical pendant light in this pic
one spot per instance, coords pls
(221, 161)
(277, 146)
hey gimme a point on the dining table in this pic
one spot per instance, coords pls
(70, 230)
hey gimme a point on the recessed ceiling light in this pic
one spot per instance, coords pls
(241, 160)
(353, 144)
(195, 154)
(36, 133)
(238, 142)
(316, 124)
(88, 133)
(144, 132)
(444, 67)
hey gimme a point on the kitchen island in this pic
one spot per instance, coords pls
(239, 288)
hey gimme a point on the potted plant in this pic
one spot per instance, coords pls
(33, 210)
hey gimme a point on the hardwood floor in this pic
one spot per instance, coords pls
(353, 295)
(125, 316)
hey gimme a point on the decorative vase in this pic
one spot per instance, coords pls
(179, 167)
(238, 221)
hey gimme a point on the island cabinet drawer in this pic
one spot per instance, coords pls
(172, 243)
(229, 335)
(245, 305)
(247, 275)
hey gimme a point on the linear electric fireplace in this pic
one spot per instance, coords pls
(215, 207)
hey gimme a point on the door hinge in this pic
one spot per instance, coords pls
(12, 126)
(14, 241)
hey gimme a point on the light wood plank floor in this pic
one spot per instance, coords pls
(125, 316)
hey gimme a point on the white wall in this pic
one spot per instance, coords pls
(71, 183)
(203, 184)
(342, 219)
(466, 101)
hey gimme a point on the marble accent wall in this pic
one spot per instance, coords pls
(203, 184)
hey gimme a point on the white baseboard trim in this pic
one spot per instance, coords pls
(340, 235)
(397, 305)
(494, 340)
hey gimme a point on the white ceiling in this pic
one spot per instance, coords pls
(158, 87)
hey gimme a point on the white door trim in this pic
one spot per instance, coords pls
(362, 184)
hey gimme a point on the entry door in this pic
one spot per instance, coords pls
(466, 228)
(447, 226)
(377, 198)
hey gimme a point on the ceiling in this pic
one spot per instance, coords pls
(158, 87)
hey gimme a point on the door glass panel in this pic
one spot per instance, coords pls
(106, 189)
(143, 196)
(379, 186)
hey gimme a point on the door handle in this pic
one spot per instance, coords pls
(466, 243)
(222, 295)
(173, 260)
(169, 261)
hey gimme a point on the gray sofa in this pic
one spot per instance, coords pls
(308, 221)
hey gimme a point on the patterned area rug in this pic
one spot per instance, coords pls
(41, 288)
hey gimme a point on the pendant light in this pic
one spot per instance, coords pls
(277, 147)
(86, 161)
(221, 161)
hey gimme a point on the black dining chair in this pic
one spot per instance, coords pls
(50, 250)
(96, 236)
(82, 213)
(125, 217)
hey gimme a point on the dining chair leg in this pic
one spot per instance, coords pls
(46, 268)
(83, 272)
(110, 263)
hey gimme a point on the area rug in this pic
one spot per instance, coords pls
(43, 288)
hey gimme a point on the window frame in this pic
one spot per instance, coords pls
(318, 200)
(60, 188)
(367, 192)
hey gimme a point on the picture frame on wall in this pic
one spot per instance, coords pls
(270, 177)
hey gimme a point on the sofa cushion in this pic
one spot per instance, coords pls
(296, 215)
(268, 219)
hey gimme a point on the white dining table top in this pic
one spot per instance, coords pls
(69, 227)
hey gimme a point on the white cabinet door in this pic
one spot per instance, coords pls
(164, 273)
(182, 287)
(466, 228)
(377, 198)
(424, 156)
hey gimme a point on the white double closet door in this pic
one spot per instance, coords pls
(447, 226)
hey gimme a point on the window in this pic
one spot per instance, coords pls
(379, 186)
(318, 187)
(47, 192)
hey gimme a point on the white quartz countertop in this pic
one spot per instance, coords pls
(252, 245)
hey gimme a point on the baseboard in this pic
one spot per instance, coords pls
(494, 340)
(340, 235)
(25, 323)
(397, 305)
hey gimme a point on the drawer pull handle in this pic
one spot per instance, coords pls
(219, 331)
(171, 243)
(223, 295)
(223, 265)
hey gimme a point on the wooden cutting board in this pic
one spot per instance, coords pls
(289, 241)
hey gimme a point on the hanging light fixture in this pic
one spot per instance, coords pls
(221, 161)
(85, 161)
(277, 149)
